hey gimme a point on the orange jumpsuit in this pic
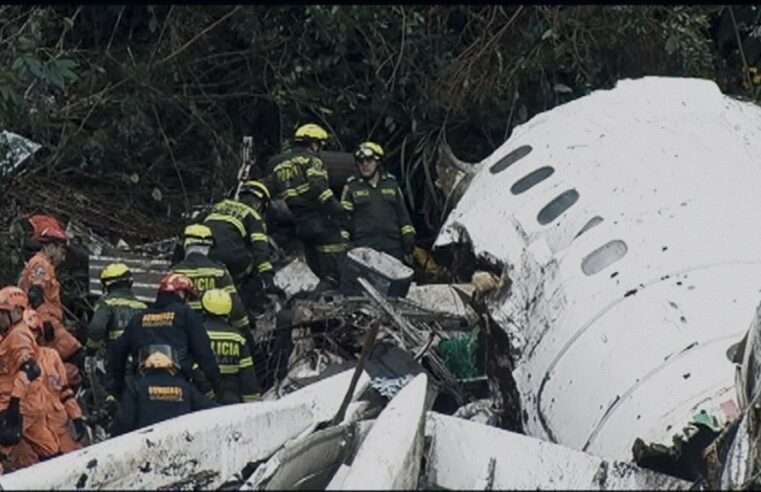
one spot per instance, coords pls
(39, 271)
(61, 406)
(16, 348)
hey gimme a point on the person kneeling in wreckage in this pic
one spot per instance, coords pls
(233, 351)
(170, 321)
(159, 394)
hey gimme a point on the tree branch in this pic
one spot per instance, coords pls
(197, 37)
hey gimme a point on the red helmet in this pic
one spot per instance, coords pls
(173, 282)
(46, 229)
(13, 297)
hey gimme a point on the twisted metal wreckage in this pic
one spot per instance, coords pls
(621, 230)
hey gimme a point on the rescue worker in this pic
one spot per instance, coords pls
(301, 180)
(239, 382)
(38, 280)
(169, 321)
(60, 405)
(114, 309)
(159, 394)
(374, 202)
(112, 313)
(18, 370)
(208, 274)
(240, 240)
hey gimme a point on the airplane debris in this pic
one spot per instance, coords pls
(595, 368)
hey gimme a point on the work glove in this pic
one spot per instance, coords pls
(219, 391)
(79, 428)
(10, 429)
(111, 405)
(36, 296)
(31, 369)
(48, 332)
(409, 260)
(78, 358)
(408, 244)
(200, 380)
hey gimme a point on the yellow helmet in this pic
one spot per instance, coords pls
(311, 133)
(217, 301)
(197, 234)
(256, 188)
(369, 149)
(115, 272)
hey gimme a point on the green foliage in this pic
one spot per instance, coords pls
(135, 102)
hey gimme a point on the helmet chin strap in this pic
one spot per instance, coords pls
(197, 248)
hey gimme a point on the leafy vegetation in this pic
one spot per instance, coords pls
(141, 108)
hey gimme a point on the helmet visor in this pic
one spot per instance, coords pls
(156, 356)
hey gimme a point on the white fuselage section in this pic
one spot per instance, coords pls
(628, 288)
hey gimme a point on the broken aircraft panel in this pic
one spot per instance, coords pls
(497, 459)
(199, 450)
(14, 151)
(636, 262)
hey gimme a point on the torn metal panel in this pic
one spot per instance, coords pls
(304, 464)
(211, 445)
(468, 455)
(14, 152)
(386, 273)
(443, 299)
(296, 277)
(741, 464)
(146, 273)
(389, 457)
(635, 263)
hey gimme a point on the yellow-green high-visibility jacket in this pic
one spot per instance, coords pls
(301, 179)
(235, 362)
(378, 215)
(111, 316)
(209, 274)
(240, 239)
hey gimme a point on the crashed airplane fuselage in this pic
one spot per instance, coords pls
(629, 222)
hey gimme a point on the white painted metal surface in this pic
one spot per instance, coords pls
(442, 298)
(295, 277)
(461, 451)
(199, 450)
(624, 304)
(308, 462)
(389, 457)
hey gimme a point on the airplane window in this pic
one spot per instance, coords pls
(603, 257)
(557, 206)
(510, 159)
(531, 179)
(592, 222)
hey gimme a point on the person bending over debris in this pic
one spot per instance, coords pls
(374, 202)
(18, 370)
(159, 394)
(38, 280)
(169, 321)
(301, 180)
(239, 382)
(240, 240)
(207, 274)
